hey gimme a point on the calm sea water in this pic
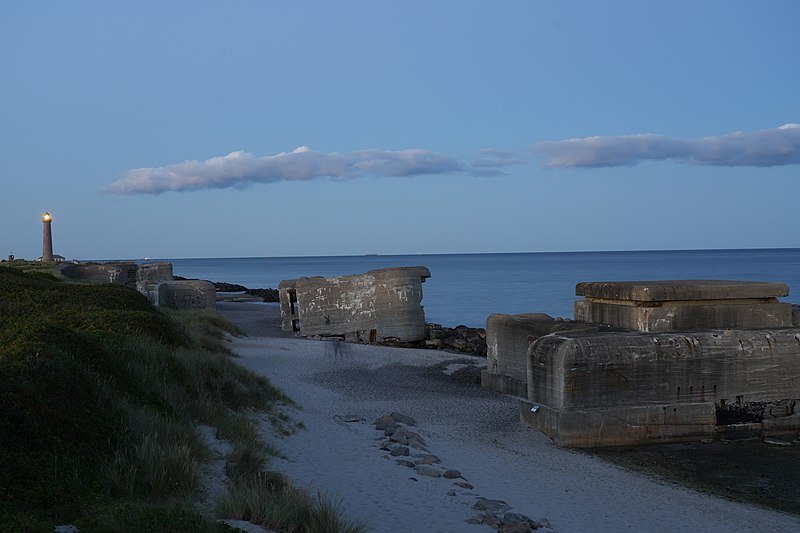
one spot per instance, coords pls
(466, 288)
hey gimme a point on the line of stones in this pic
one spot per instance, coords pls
(494, 513)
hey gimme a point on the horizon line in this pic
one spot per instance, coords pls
(650, 250)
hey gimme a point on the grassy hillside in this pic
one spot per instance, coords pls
(100, 399)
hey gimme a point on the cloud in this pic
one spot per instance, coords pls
(762, 148)
(239, 169)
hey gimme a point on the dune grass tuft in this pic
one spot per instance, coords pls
(271, 501)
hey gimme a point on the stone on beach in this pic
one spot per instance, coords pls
(400, 450)
(426, 459)
(403, 419)
(426, 470)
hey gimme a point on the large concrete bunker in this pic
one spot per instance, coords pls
(375, 306)
(154, 280)
(659, 361)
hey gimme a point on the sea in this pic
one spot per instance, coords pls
(467, 288)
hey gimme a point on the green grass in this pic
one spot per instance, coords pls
(100, 398)
(272, 502)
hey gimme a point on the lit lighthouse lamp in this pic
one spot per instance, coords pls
(47, 238)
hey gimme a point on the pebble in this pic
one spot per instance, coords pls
(427, 459)
(452, 474)
(464, 485)
(400, 450)
(403, 462)
(451, 493)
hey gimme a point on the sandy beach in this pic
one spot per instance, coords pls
(470, 429)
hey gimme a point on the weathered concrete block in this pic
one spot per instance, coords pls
(622, 426)
(155, 291)
(681, 316)
(155, 272)
(586, 384)
(687, 305)
(377, 305)
(189, 294)
(796, 315)
(681, 290)
(507, 340)
(122, 273)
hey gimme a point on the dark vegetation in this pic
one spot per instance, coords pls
(101, 396)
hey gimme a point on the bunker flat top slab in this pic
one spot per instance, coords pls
(670, 290)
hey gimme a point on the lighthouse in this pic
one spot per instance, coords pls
(47, 240)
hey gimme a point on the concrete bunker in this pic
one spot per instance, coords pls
(379, 305)
(662, 361)
(154, 280)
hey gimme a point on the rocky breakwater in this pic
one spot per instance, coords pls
(265, 295)
(437, 337)
(410, 450)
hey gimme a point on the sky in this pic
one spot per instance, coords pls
(267, 129)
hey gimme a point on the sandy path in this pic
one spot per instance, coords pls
(469, 429)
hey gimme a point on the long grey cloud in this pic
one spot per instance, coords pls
(239, 169)
(761, 148)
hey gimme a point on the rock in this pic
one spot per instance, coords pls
(406, 437)
(418, 446)
(541, 523)
(386, 445)
(403, 462)
(427, 459)
(383, 422)
(463, 485)
(433, 343)
(268, 295)
(400, 450)
(391, 429)
(496, 506)
(475, 519)
(403, 419)
(518, 527)
(452, 474)
(546, 530)
(221, 286)
(398, 438)
(425, 470)
(514, 518)
(451, 493)
(492, 521)
(68, 528)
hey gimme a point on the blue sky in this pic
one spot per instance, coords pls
(332, 128)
